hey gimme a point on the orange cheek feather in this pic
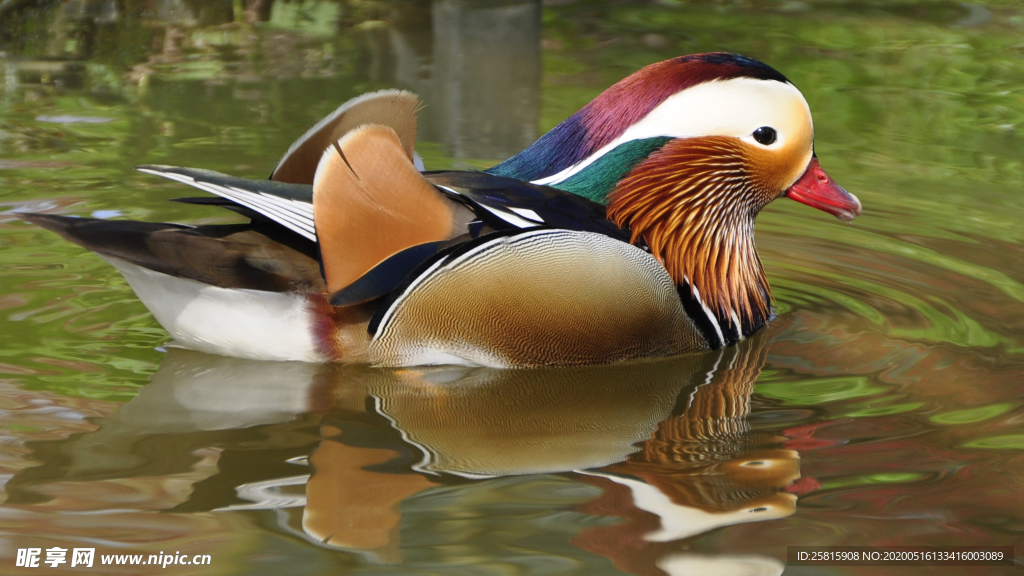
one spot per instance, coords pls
(693, 203)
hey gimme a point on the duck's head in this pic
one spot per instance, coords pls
(685, 153)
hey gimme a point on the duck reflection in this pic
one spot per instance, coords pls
(476, 424)
(667, 442)
(703, 468)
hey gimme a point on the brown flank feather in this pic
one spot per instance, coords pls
(693, 202)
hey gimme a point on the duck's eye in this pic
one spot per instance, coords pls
(764, 135)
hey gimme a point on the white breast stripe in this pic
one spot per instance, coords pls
(448, 261)
(419, 279)
(295, 215)
(707, 311)
(736, 324)
(499, 240)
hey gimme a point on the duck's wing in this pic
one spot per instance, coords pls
(395, 109)
(375, 208)
(376, 218)
(247, 256)
(287, 198)
(290, 205)
(365, 186)
(503, 203)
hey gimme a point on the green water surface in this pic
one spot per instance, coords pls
(883, 407)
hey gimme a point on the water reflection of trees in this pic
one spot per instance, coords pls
(476, 63)
(666, 442)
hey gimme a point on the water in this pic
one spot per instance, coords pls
(883, 407)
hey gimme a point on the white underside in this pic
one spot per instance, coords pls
(242, 323)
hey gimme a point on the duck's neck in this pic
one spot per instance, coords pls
(564, 146)
(688, 204)
(596, 177)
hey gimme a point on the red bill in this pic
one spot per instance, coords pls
(816, 189)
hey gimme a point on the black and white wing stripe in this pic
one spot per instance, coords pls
(517, 217)
(290, 205)
(505, 202)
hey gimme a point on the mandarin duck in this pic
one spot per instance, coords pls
(625, 232)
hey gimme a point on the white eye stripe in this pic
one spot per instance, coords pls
(735, 107)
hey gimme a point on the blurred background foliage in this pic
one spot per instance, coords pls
(935, 81)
